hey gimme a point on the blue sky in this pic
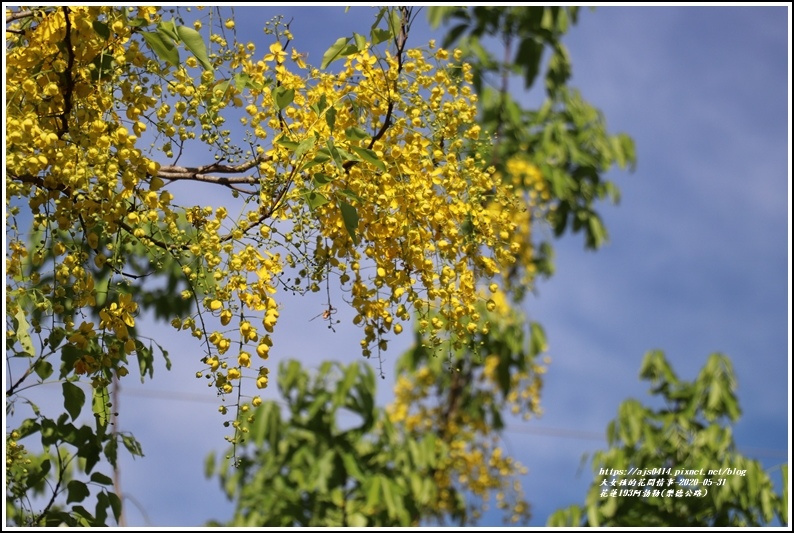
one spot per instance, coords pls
(698, 260)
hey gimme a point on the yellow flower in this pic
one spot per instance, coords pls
(276, 54)
(299, 58)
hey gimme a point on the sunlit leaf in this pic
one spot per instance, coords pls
(336, 51)
(360, 40)
(369, 156)
(162, 46)
(283, 97)
(304, 146)
(195, 44)
(355, 133)
(23, 332)
(101, 398)
(315, 199)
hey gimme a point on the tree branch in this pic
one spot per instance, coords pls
(11, 17)
(67, 77)
(400, 41)
(203, 173)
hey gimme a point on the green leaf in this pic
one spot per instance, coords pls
(350, 216)
(321, 105)
(559, 69)
(145, 360)
(334, 52)
(74, 399)
(132, 445)
(356, 134)
(597, 233)
(436, 14)
(115, 504)
(285, 142)
(101, 29)
(330, 117)
(783, 508)
(283, 97)
(322, 156)
(343, 387)
(77, 490)
(390, 498)
(321, 179)
(23, 333)
(103, 64)
(323, 470)
(43, 369)
(101, 398)
(163, 48)
(528, 56)
(83, 517)
(592, 516)
(350, 194)
(346, 156)
(100, 478)
(538, 343)
(369, 156)
(209, 465)
(102, 505)
(381, 12)
(167, 28)
(357, 520)
(305, 145)
(222, 86)
(56, 337)
(394, 21)
(315, 199)
(334, 151)
(244, 81)
(195, 44)
(373, 492)
(455, 33)
(352, 467)
(138, 22)
(360, 40)
(28, 427)
(164, 354)
(379, 35)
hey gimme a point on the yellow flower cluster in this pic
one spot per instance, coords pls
(474, 462)
(454, 398)
(366, 175)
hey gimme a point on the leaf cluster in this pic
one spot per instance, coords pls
(690, 439)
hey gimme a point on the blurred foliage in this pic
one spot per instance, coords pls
(331, 457)
(688, 445)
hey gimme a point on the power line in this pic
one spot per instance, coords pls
(512, 428)
(594, 435)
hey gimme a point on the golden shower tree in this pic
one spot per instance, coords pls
(373, 174)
